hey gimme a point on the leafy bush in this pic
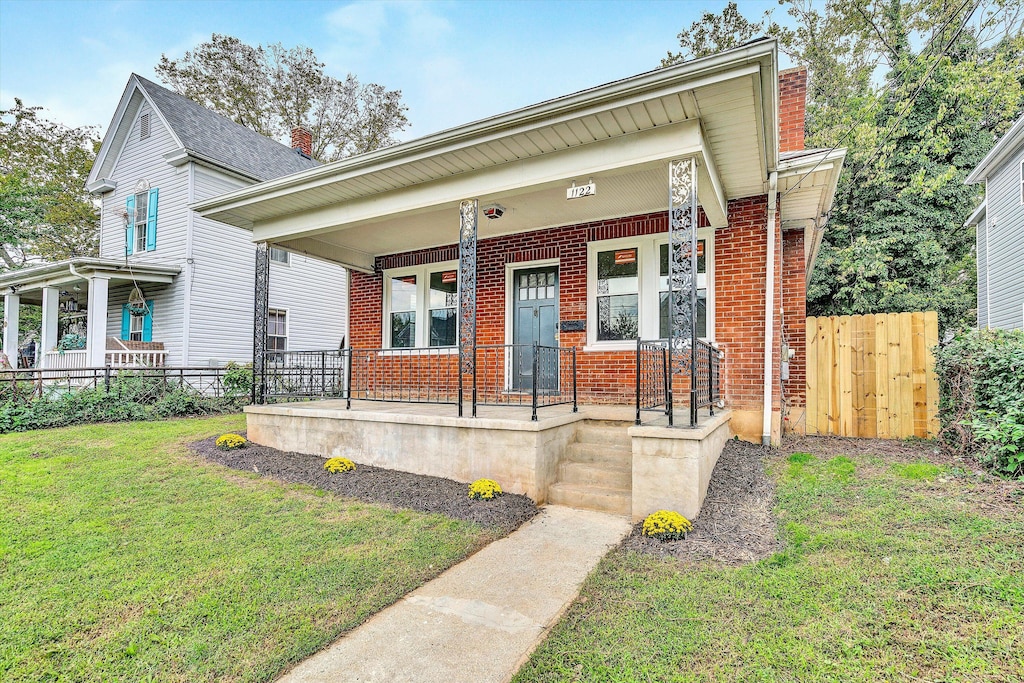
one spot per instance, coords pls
(238, 381)
(981, 396)
(484, 489)
(231, 442)
(666, 525)
(335, 465)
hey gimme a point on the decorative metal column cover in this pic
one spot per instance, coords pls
(682, 262)
(467, 286)
(259, 322)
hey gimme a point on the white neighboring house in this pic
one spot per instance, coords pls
(999, 223)
(171, 287)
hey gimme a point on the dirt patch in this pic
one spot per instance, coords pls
(735, 525)
(892, 450)
(375, 485)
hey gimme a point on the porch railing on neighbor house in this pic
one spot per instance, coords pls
(506, 374)
(143, 384)
(654, 379)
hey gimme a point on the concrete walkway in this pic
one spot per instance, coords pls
(481, 619)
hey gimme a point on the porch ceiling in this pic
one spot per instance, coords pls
(720, 109)
(30, 282)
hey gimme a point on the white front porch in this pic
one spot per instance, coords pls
(73, 300)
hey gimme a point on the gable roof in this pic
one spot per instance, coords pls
(200, 133)
(1006, 146)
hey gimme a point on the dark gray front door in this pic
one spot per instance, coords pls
(535, 321)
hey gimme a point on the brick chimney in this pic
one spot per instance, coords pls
(302, 141)
(792, 108)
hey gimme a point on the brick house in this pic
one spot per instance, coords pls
(678, 206)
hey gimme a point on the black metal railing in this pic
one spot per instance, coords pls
(655, 379)
(305, 374)
(525, 375)
(506, 375)
(138, 384)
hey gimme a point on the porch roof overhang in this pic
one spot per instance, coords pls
(720, 109)
(807, 186)
(29, 282)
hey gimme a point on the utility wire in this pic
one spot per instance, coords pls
(900, 77)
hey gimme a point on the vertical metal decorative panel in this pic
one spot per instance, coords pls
(259, 322)
(682, 262)
(467, 284)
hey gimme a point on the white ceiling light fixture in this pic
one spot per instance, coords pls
(493, 211)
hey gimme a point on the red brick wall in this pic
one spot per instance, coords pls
(792, 108)
(607, 377)
(794, 298)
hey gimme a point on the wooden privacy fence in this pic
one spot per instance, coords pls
(873, 375)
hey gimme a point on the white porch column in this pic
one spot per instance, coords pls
(48, 338)
(96, 330)
(12, 306)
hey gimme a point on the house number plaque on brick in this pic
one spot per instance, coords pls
(574, 326)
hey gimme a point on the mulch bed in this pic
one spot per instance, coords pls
(735, 525)
(376, 485)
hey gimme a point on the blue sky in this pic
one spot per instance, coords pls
(454, 61)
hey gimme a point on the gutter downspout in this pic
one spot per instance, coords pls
(769, 310)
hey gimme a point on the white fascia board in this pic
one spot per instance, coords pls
(332, 253)
(182, 155)
(101, 186)
(1006, 146)
(710, 191)
(977, 214)
(743, 61)
(657, 144)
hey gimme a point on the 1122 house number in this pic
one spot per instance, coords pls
(577, 191)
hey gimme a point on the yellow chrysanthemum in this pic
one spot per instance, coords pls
(484, 489)
(336, 465)
(229, 442)
(666, 525)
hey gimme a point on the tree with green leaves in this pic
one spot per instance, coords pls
(45, 211)
(954, 82)
(272, 90)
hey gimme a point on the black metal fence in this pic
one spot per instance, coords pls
(655, 379)
(139, 384)
(506, 375)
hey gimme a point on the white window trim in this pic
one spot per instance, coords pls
(287, 326)
(648, 295)
(422, 273)
(287, 256)
(131, 327)
(145, 225)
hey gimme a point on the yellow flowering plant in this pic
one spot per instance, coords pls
(335, 465)
(484, 489)
(230, 442)
(666, 525)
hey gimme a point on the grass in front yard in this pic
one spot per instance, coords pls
(892, 571)
(123, 558)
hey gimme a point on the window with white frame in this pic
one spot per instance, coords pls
(627, 282)
(141, 220)
(278, 255)
(421, 306)
(136, 327)
(277, 330)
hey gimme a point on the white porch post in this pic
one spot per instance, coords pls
(48, 338)
(96, 325)
(12, 305)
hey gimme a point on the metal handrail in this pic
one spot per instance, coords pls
(654, 378)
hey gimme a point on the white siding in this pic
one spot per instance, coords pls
(313, 292)
(982, 242)
(167, 319)
(1004, 221)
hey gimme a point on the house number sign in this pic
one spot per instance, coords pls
(577, 191)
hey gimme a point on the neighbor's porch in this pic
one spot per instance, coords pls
(73, 302)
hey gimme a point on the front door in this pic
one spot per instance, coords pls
(534, 321)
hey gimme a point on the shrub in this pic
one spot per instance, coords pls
(666, 525)
(238, 381)
(335, 465)
(981, 396)
(484, 489)
(231, 442)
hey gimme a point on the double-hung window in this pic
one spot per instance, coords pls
(278, 255)
(627, 282)
(140, 223)
(421, 306)
(277, 330)
(141, 220)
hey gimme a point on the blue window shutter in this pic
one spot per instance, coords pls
(126, 323)
(147, 322)
(130, 230)
(151, 220)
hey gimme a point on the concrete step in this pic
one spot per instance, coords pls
(613, 501)
(602, 475)
(611, 454)
(604, 432)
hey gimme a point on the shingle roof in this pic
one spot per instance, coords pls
(222, 140)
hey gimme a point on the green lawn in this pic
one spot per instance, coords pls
(124, 558)
(891, 572)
